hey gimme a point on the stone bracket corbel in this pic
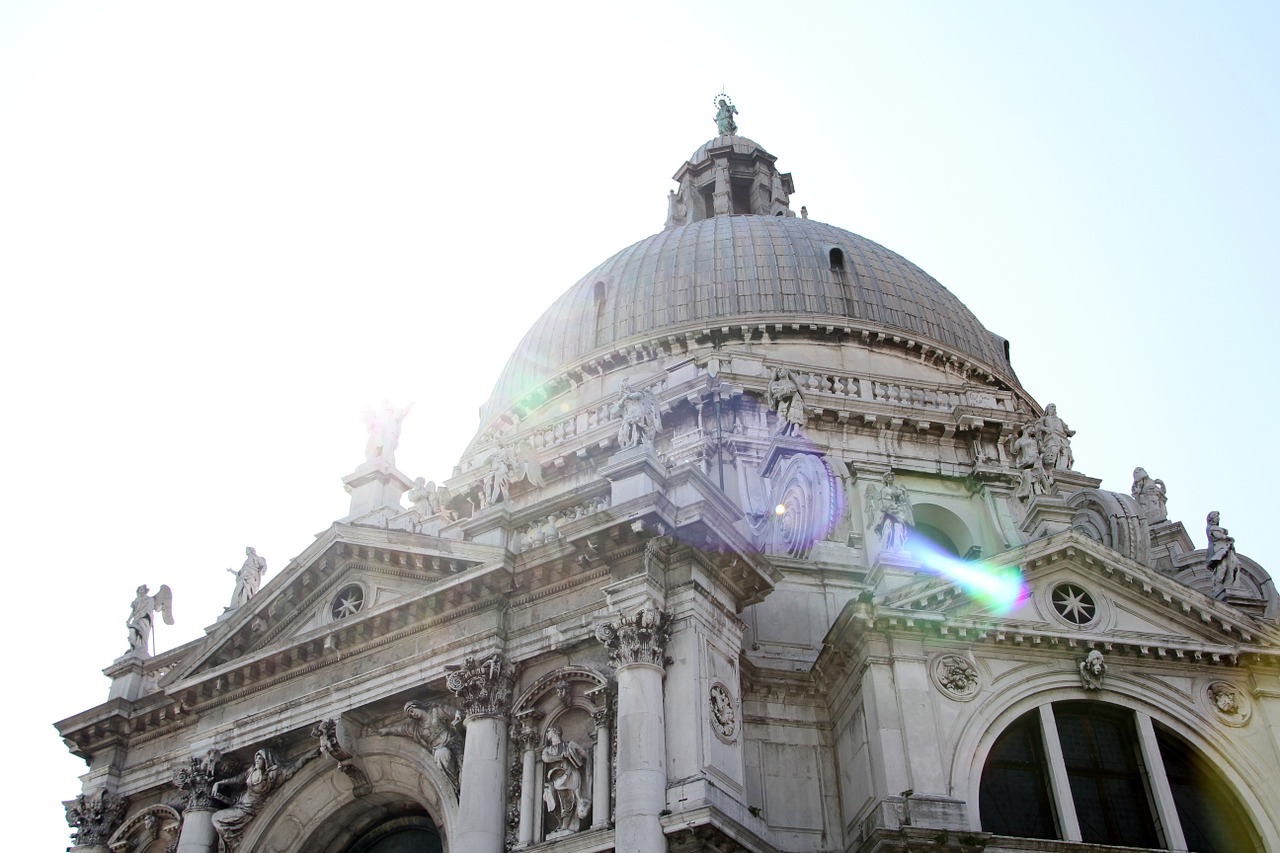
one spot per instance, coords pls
(326, 731)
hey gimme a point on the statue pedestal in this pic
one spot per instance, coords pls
(633, 473)
(375, 484)
(126, 675)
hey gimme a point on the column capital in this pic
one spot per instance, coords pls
(195, 779)
(485, 686)
(641, 638)
(93, 818)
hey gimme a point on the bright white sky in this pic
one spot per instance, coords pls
(227, 228)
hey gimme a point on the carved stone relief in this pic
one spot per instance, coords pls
(438, 729)
(641, 638)
(153, 823)
(1230, 702)
(1093, 669)
(956, 677)
(327, 732)
(95, 817)
(724, 715)
(255, 786)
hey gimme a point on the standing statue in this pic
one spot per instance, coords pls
(783, 396)
(437, 728)
(725, 111)
(248, 579)
(889, 510)
(423, 497)
(258, 781)
(1221, 557)
(641, 416)
(563, 791)
(1055, 439)
(1034, 480)
(508, 464)
(1151, 496)
(142, 616)
(384, 431)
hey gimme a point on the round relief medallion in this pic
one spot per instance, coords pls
(348, 602)
(1230, 703)
(956, 677)
(724, 718)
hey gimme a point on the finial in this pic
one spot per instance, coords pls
(725, 111)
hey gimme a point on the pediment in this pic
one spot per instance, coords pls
(349, 575)
(1074, 587)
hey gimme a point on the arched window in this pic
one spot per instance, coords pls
(1122, 780)
(836, 256)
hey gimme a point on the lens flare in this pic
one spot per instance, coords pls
(780, 509)
(1000, 588)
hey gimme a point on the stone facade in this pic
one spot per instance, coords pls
(761, 546)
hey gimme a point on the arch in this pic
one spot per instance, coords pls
(835, 256)
(1114, 520)
(153, 828)
(1167, 707)
(933, 516)
(317, 812)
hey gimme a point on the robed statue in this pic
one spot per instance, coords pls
(142, 616)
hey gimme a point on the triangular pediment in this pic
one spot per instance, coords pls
(351, 574)
(1074, 587)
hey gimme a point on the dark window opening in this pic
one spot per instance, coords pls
(1212, 821)
(836, 257)
(740, 196)
(709, 199)
(1014, 794)
(937, 537)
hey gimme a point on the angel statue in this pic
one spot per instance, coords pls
(384, 431)
(641, 418)
(508, 464)
(888, 509)
(142, 616)
(783, 396)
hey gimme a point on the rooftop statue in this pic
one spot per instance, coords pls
(725, 111)
(1221, 557)
(641, 416)
(1027, 457)
(507, 464)
(784, 397)
(142, 616)
(248, 578)
(1055, 439)
(1151, 496)
(384, 431)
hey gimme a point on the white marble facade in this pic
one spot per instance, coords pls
(778, 555)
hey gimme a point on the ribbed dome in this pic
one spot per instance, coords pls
(731, 270)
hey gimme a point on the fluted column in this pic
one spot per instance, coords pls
(195, 779)
(485, 690)
(637, 646)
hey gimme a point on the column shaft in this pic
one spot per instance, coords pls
(528, 796)
(197, 834)
(483, 800)
(600, 782)
(642, 766)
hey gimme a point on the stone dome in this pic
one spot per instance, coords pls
(731, 271)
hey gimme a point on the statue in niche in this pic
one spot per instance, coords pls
(1151, 496)
(641, 416)
(507, 464)
(1034, 479)
(563, 791)
(437, 728)
(384, 431)
(248, 578)
(1055, 439)
(1221, 557)
(142, 616)
(259, 781)
(1092, 670)
(783, 397)
(888, 508)
(725, 111)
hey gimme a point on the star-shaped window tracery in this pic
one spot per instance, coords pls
(348, 602)
(1074, 604)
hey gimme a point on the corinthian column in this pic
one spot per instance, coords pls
(485, 690)
(93, 819)
(196, 782)
(637, 646)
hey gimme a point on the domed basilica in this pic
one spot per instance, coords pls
(760, 546)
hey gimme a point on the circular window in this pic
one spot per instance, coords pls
(1074, 604)
(348, 602)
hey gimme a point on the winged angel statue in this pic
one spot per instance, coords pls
(641, 416)
(507, 464)
(889, 513)
(142, 616)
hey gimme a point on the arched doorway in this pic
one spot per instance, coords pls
(413, 833)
